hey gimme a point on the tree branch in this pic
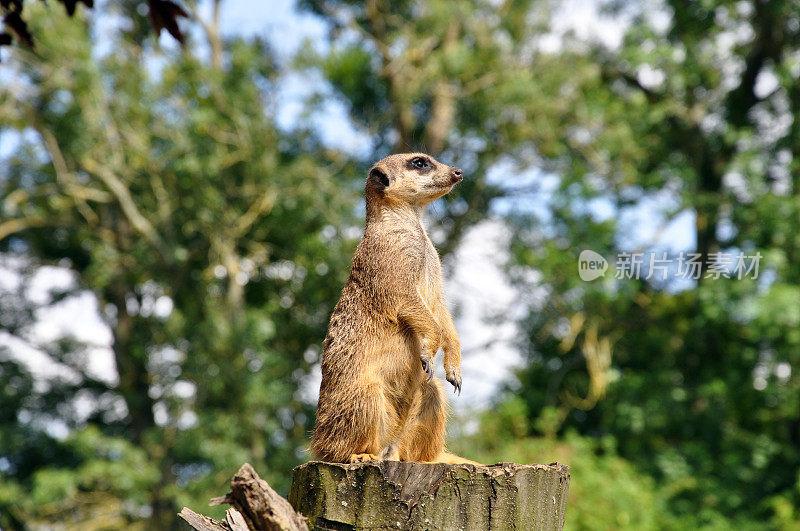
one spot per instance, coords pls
(261, 506)
(211, 30)
(126, 202)
(12, 226)
(444, 106)
(392, 70)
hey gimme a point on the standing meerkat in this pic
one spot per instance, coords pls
(378, 398)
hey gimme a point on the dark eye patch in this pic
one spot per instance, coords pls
(420, 164)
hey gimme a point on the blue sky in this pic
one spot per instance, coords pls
(287, 30)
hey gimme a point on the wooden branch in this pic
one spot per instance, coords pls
(261, 506)
(256, 506)
(234, 521)
(200, 522)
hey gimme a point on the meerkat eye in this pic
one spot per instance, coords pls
(419, 162)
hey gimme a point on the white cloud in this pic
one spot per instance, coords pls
(480, 293)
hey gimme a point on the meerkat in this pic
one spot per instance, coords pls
(378, 398)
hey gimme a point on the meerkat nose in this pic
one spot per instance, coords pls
(457, 174)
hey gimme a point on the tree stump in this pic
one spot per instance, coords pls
(401, 495)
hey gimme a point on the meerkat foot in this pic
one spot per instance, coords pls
(427, 366)
(453, 376)
(390, 453)
(362, 458)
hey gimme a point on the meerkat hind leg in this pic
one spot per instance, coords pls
(423, 436)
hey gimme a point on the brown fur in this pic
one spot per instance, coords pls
(377, 398)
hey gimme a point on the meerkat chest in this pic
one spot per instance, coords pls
(430, 280)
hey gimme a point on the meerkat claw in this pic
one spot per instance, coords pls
(455, 380)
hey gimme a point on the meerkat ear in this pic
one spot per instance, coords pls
(379, 178)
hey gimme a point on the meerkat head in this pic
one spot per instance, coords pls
(412, 178)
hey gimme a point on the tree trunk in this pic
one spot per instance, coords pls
(401, 495)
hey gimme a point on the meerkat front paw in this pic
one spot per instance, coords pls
(362, 458)
(427, 366)
(453, 375)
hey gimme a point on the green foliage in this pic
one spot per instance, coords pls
(697, 383)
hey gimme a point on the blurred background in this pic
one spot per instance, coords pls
(176, 224)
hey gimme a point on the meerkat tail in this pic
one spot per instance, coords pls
(453, 459)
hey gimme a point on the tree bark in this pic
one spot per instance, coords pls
(401, 495)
